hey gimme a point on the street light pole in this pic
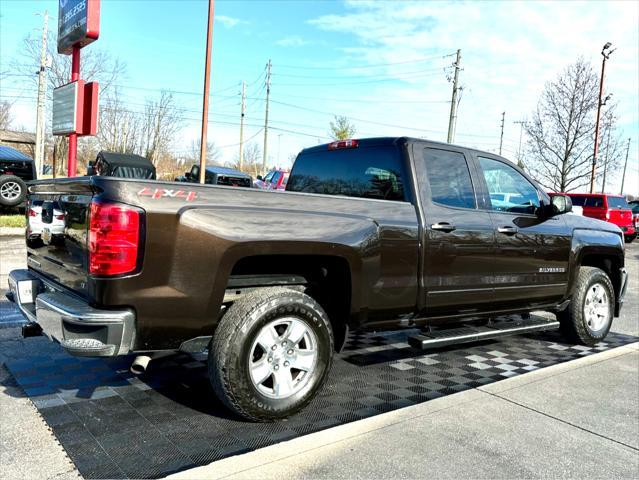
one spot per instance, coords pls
(605, 53)
(205, 102)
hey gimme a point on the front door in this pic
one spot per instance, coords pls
(458, 236)
(532, 251)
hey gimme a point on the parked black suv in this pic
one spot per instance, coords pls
(16, 168)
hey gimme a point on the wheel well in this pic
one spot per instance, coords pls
(609, 264)
(327, 279)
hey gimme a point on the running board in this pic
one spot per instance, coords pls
(467, 333)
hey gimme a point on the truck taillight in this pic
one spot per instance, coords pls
(114, 238)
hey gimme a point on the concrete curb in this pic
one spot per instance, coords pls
(245, 462)
(12, 231)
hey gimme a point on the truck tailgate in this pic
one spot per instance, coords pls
(57, 216)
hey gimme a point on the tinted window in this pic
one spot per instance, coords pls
(635, 207)
(275, 178)
(373, 172)
(519, 195)
(578, 201)
(449, 178)
(617, 202)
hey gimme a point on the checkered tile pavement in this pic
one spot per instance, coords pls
(116, 425)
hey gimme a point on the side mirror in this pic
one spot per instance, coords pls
(560, 204)
(259, 177)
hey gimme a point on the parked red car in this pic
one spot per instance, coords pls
(611, 208)
(274, 180)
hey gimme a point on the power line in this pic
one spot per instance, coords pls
(354, 67)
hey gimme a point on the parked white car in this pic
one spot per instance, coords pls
(39, 224)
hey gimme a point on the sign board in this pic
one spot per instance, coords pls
(89, 112)
(67, 103)
(78, 24)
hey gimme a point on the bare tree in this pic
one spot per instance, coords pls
(252, 160)
(612, 149)
(342, 128)
(5, 115)
(561, 133)
(161, 124)
(213, 154)
(120, 130)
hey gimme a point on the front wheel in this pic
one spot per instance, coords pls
(270, 353)
(588, 318)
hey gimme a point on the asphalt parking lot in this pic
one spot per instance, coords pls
(520, 415)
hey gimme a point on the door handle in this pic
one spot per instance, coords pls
(508, 230)
(443, 227)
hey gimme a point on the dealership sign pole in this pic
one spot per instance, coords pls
(75, 104)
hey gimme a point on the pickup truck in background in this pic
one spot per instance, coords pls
(371, 234)
(215, 175)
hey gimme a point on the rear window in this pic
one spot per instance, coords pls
(373, 172)
(587, 200)
(617, 202)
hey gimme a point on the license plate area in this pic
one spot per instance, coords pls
(28, 290)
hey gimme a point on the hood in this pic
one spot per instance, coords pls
(579, 221)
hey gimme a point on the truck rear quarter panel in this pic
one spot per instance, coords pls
(192, 246)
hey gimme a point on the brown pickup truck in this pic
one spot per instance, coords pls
(371, 234)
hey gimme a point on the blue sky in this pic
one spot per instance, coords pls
(381, 63)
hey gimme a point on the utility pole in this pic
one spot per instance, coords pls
(623, 178)
(242, 125)
(205, 100)
(501, 139)
(42, 86)
(603, 183)
(605, 54)
(268, 94)
(521, 124)
(453, 104)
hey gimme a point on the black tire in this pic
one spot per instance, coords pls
(574, 321)
(629, 238)
(234, 345)
(8, 186)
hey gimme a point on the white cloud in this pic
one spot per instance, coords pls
(292, 41)
(509, 51)
(229, 22)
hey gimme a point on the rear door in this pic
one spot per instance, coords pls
(531, 264)
(458, 235)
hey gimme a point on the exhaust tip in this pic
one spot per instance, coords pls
(140, 364)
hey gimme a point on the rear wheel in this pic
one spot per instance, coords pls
(630, 238)
(271, 353)
(12, 191)
(588, 318)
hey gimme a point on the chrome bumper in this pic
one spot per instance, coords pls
(81, 329)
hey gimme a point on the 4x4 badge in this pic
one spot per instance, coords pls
(157, 193)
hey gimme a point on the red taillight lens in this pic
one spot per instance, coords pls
(59, 217)
(32, 213)
(114, 239)
(343, 144)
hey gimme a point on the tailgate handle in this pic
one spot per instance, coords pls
(508, 230)
(443, 227)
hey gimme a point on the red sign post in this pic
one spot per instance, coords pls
(79, 25)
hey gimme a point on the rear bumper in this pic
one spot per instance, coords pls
(81, 329)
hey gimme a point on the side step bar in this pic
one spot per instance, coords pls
(468, 333)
